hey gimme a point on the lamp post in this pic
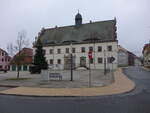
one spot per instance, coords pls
(104, 62)
(112, 59)
(71, 63)
(90, 57)
(53, 59)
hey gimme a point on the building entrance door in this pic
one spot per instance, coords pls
(13, 67)
(67, 62)
(82, 61)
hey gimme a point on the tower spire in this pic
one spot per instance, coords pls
(78, 19)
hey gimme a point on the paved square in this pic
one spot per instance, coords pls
(80, 79)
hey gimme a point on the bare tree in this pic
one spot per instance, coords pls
(21, 42)
(10, 49)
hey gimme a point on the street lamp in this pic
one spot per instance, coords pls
(112, 59)
(104, 62)
(71, 63)
(90, 57)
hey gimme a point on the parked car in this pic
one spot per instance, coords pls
(34, 69)
(4, 70)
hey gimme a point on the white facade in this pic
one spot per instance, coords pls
(146, 59)
(146, 55)
(104, 53)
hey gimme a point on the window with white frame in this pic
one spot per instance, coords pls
(100, 60)
(109, 48)
(99, 48)
(58, 61)
(83, 49)
(51, 61)
(59, 51)
(67, 50)
(51, 51)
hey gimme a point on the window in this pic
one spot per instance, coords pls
(59, 61)
(51, 51)
(51, 61)
(108, 59)
(67, 50)
(59, 51)
(5, 67)
(90, 48)
(109, 48)
(99, 48)
(91, 61)
(83, 49)
(2, 59)
(73, 50)
(100, 60)
(2, 53)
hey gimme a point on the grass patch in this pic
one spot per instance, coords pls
(18, 78)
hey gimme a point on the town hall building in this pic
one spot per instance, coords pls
(99, 38)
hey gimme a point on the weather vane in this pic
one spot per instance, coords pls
(78, 10)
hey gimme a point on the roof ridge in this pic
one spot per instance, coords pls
(81, 25)
(3, 50)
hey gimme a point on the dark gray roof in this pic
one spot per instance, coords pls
(98, 31)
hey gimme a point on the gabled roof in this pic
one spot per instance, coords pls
(101, 31)
(26, 52)
(27, 56)
(120, 48)
(3, 50)
(146, 47)
(6, 54)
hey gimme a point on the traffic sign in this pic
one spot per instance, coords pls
(90, 54)
(112, 59)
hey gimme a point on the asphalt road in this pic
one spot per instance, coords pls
(137, 101)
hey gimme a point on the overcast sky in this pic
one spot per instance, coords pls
(133, 18)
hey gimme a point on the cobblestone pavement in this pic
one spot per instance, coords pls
(137, 101)
(80, 79)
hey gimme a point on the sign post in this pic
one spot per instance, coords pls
(112, 59)
(104, 62)
(90, 57)
(71, 63)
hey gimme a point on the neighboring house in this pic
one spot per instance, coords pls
(137, 61)
(122, 57)
(4, 60)
(99, 37)
(127, 58)
(131, 58)
(146, 55)
(26, 61)
(134, 60)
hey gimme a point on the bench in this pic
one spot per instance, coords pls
(55, 75)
